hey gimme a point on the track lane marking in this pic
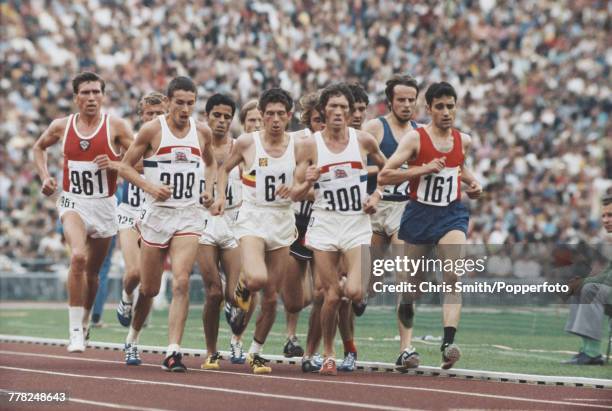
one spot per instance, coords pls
(95, 403)
(216, 389)
(325, 381)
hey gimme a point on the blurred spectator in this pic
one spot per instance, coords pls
(532, 77)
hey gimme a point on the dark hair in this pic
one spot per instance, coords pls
(607, 198)
(437, 90)
(359, 93)
(152, 98)
(181, 83)
(399, 80)
(333, 90)
(85, 77)
(244, 110)
(308, 103)
(218, 100)
(275, 95)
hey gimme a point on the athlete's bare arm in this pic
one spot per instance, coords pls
(306, 172)
(474, 189)
(135, 153)
(49, 137)
(375, 128)
(210, 163)
(122, 137)
(407, 150)
(370, 145)
(236, 157)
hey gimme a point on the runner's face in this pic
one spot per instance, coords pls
(181, 106)
(275, 119)
(89, 98)
(442, 112)
(606, 217)
(315, 121)
(219, 120)
(359, 115)
(150, 111)
(337, 112)
(404, 101)
(252, 121)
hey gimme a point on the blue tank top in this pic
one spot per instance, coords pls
(388, 145)
(131, 195)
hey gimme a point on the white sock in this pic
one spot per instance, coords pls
(172, 348)
(75, 318)
(132, 337)
(127, 298)
(234, 339)
(86, 315)
(255, 347)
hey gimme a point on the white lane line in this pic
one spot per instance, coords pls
(223, 390)
(113, 405)
(589, 399)
(96, 403)
(326, 381)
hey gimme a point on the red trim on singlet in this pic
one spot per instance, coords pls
(428, 152)
(168, 149)
(353, 164)
(95, 145)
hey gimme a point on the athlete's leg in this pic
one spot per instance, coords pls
(102, 293)
(254, 267)
(97, 252)
(151, 269)
(313, 337)
(207, 258)
(451, 247)
(276, 261)
(183, 250)
(326, 268)
(76, 238)
(129, 248)
(406, 306)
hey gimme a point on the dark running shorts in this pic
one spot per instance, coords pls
(425, 224)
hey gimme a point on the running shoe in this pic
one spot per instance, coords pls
(237, 353)
(132, 357)
(407, 359)
(77, 340)
(212, 362)
(450, 355)
(348, 364)
(360, 307)
(235, 317)
(292, 348)
(174, 363)
(328, 367)
(242, 296)
(124, 313)
(310, 365)
(258, 364)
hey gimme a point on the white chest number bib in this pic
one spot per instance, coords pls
(439, 189)
(340, 196)
(269, 178)
(182, 177)
(87, 180)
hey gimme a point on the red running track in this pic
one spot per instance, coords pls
(99, 379)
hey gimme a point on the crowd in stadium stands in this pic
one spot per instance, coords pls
(533, 79)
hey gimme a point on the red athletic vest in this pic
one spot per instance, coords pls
(81, 176)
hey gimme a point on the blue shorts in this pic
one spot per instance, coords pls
(425, 224)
